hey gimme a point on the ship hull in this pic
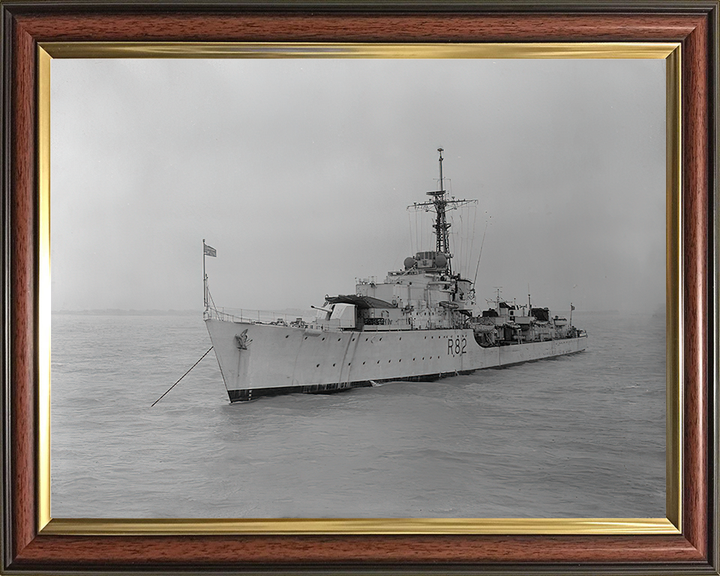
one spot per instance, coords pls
(265, 360)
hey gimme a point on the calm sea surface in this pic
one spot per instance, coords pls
(577, 436)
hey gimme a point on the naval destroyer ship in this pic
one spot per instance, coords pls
(422, 323)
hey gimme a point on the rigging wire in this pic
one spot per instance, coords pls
(417, 231)
(482, 243)
(181, 377)
(211, 300)
(468, 254)
(411, 233)
(466, 241)
(457, 239)
(472, 242)
(460, 241)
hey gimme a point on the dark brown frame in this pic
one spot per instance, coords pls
(25, 23)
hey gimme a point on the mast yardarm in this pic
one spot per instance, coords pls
(440, 204)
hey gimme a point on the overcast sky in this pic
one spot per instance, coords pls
(299, 172)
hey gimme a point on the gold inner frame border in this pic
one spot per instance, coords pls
(668, 51)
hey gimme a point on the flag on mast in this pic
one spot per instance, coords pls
(210, 251)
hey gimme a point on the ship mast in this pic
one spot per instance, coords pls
(441, 226)
(440, 204)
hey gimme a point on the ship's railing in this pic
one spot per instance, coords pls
(259, 316)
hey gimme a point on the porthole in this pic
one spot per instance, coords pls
(287, 335)
(317, 365)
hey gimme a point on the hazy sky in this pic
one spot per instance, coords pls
(299, 173)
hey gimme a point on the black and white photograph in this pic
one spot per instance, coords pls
(358, 288)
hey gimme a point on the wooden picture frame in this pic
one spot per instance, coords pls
(29, 546)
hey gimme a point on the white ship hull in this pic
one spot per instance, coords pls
(422, 323)
(262, 360)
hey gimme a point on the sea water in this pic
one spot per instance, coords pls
(576, 436)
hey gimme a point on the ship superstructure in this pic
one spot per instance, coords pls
(421, 323)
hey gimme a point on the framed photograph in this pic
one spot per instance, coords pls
(480, 185)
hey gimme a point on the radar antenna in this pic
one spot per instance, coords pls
(440, 204)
